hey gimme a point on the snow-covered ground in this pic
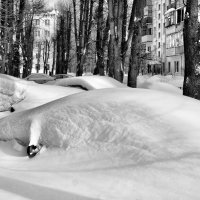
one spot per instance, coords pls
(110, 143)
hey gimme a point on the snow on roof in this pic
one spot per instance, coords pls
(170, 10)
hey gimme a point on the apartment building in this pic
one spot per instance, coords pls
(159, 37)
(147, 36)
(174, 21)
(45, 26)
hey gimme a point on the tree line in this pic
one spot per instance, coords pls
(106, 32)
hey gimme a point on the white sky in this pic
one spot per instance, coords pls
(51, 2)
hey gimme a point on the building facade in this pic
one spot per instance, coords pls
(154, 36)
(45, 27)
(174, 21)
(159, 37)
(147, 35)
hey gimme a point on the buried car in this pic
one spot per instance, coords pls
(103, 140)
(116, 116)
(60, 76)
(39, 78)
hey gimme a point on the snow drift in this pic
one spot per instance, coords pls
(88, 82)
(96, 119)
(11, 91)
(116, 143)
(23, 95)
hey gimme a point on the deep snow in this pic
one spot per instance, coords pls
(114, 143)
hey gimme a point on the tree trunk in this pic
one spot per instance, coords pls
(115, 9)
(191, 86)
(99, 69)
(64, 41)
(135, 36)
(27, 47)
(58, 57)
(124, 28)
(10, 6)
(68, 39)
(4, 35)
(85, 26)
(133, 70)
(46, 55)
(54, 56)
(19, 29)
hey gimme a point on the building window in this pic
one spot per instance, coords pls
(159, 54)
(175, 39)
(150, 31)
(163, 7)
(154, 30)
(149, 49)
(159, 25)
(47, 22)
(169, 67)
(158, 44)
(37, 22)
(37, 44)
(158, 6)
(176, 64)
(37, 33)
(47, 33)
(170, 19)
(159, 16)
(37, 55)
(180, 15)
(159, 34)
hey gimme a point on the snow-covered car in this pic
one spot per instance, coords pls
(88, 82)
(39, 78)
(60, 76)
(111, 143)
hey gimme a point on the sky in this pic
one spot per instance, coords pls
(51, 3)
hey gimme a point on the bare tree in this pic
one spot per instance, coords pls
(6, 42)
(120, 37)
(83, 32)
(64, 38)
(27, 37)
(99, 69)
(135, 27)
(16, 47)
(191, 86)
(46, 51)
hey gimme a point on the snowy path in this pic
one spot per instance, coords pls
(54, 175)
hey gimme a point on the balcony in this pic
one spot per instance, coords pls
(179, 50)
(174, 51)
(172, 5)
(148, 11)
(147, 38)
(147, 20)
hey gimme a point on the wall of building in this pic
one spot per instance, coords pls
(45, 29)
(174, 17)
(159, 41)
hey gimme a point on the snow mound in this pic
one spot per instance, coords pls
(118, 143)
(23, 95)
(125, 122)
(164, 84)
(89, 82)
(12, 90)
